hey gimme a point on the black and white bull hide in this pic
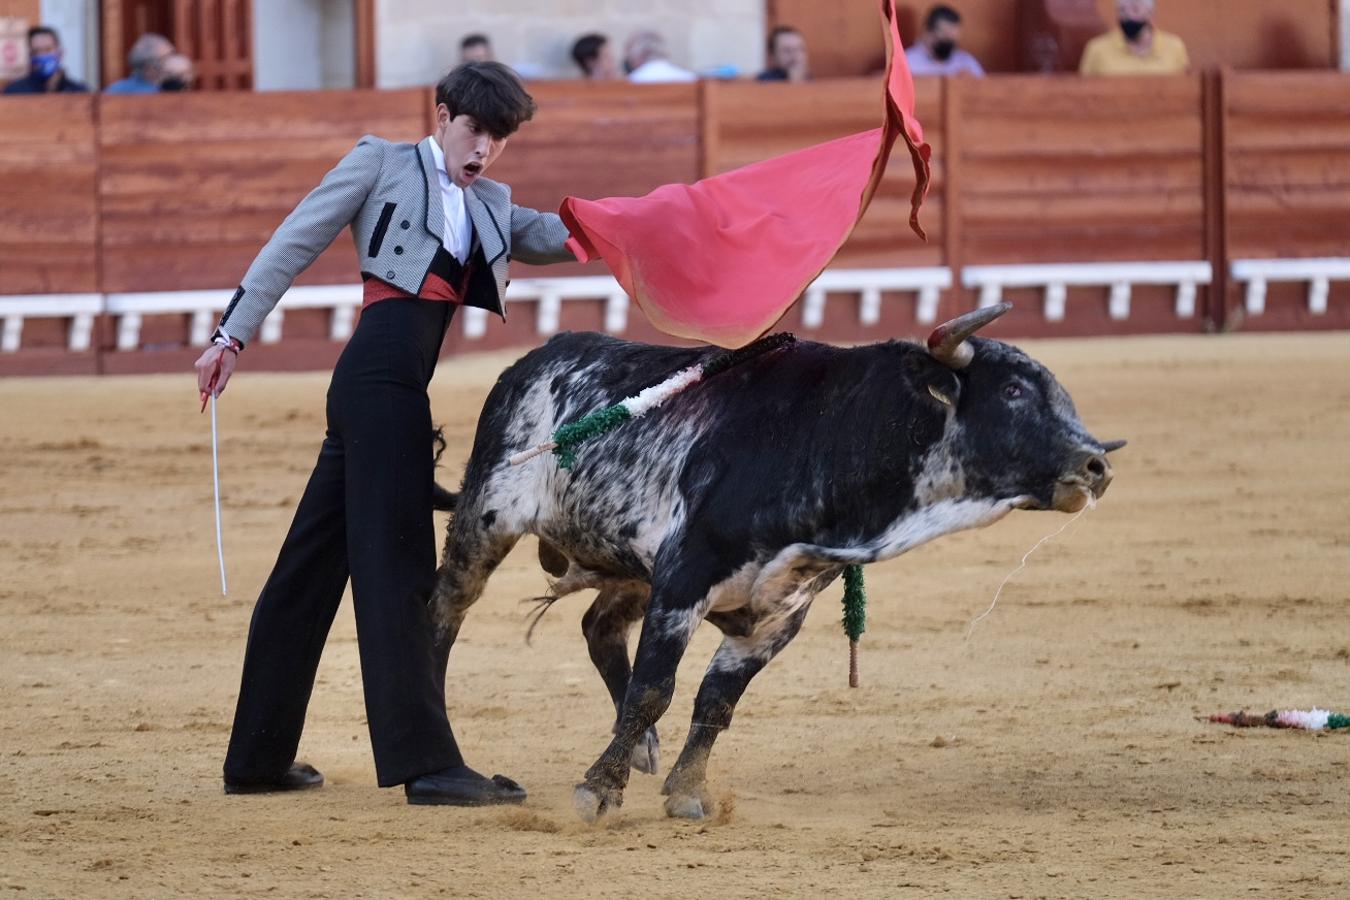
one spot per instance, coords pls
(740, 499)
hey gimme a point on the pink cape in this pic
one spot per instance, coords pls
(722, 260)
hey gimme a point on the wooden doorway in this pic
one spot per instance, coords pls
(216, 34)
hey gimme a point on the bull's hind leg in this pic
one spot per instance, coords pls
(740, 657)
(473, 551)
(677, 605)
(606, 626)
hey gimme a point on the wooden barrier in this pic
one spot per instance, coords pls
(48, 179)
(1287, 188)
(192, 185)
(1222, 173)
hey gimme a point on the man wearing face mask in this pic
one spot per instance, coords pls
(46, 76)
(1137, 47)
(179, 74)
(938, 51)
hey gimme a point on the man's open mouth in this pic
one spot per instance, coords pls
(473, 169)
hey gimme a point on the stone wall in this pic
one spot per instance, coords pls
(418, 40)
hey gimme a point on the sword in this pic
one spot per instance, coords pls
(215, 477)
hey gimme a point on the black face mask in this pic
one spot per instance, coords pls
(173, 84)
(1132, 28)
(943, 50)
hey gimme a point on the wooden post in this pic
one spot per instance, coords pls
(953, 89)
(365, 43)
(1214, 111)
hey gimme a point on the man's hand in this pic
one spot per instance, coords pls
(214, 368)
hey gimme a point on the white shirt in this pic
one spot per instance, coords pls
(922, 62)
(660, 71)
(458, 235)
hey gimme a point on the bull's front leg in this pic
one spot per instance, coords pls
(738, 659)
(677, 606)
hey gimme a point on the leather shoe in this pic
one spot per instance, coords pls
(462, 786)
(299, 777)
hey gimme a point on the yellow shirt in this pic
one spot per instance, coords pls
(1107, 54)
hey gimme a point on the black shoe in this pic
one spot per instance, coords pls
(299, 777)
(462, 786)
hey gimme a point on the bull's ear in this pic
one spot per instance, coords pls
(945, 388)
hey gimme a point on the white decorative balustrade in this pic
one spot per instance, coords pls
(1318, 273)
(1120, 277)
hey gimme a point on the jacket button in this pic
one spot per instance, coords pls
(404, 225)
(389, 274)
(398, 251)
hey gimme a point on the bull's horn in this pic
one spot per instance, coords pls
(947, 343)
(1112, 446)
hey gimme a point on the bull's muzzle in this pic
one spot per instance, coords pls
(1088, 478)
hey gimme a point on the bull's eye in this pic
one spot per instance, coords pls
(1012, 391)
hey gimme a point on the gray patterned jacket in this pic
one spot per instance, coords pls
(390, 195)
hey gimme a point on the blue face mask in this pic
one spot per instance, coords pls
(46, 64)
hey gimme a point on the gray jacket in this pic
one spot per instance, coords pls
(390, 195)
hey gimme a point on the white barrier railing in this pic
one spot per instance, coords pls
(1055, 280)
(79, 308)
(344, 301)
(1319, 273)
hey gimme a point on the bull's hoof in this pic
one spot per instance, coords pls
(647, 753)
(592, 802)
(696, 805)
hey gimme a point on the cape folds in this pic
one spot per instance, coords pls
(722, 260)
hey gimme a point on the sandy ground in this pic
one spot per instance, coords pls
(1055, 753)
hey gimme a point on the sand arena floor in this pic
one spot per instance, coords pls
(1054, 754)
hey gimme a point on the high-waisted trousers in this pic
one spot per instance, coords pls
(365, 514)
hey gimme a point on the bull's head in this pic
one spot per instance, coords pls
(1019, 434)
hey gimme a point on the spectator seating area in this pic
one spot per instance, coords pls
(1103, 206)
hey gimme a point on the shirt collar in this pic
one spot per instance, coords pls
(438, 156)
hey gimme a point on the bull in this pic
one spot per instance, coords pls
(739, 500)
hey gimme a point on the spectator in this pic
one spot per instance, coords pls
(1137, 47)
(645, 60)
(179, 74)
(938, 52)
(787, 56)
(475, 48)
(594, 55)
(146, 61)
(46, 75)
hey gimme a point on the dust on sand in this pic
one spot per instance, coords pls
(1055, 754)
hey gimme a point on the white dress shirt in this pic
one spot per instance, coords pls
(458, 234)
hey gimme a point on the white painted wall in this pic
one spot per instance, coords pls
(1345, 35)
(418, 40)
(77, 23)
(303, 44)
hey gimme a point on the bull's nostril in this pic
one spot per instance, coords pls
(1096, 468)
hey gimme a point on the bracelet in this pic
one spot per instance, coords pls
(228, 343)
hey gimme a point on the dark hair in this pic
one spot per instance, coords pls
(43, 29)
(586, 50)
(473, 40)
(777, 33)
(489, 92)
(939, 14)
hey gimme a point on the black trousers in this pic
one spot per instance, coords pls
(365, 514)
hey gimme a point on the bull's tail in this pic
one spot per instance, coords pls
(441, 499)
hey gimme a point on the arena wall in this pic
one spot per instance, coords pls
(1102, 207)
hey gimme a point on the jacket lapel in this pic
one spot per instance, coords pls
(486, 227)
(435, 209)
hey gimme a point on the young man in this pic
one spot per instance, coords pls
(788, 59)
(938, 51)
(46, 75)
(594, 56)
(431, 233)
